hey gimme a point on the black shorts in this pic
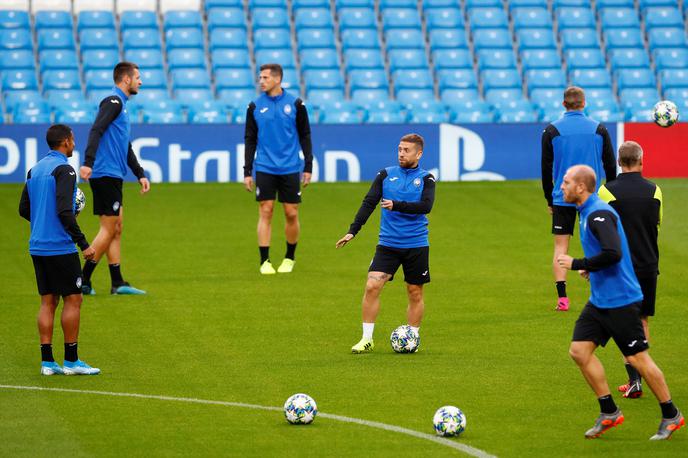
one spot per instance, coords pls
(60, 274)
(287, 187)
(648, 283)
(622, 324)
(414, 260)
(107, 195)
(563, 220)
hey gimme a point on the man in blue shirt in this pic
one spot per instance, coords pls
(573, 139)
(277, 129)
(613, 310)
(48, 203)
(108, 154)
(406, 194)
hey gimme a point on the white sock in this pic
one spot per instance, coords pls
(368, 330)
(415, 329)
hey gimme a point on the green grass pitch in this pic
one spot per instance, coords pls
(212, 328)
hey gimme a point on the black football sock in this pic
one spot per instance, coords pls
(561, 288)
(291, 249)
(669, 410)
(89, 267)
(116, 275)
(633, 374)
(71, 351)
(607, 404)
(264, 254)
(47, 353)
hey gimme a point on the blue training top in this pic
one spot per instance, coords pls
(398, 229)
(113, 149)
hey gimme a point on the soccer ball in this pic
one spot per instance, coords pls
(300, 409)
(449, 421)
(404, 339)
(79, 201)
(665, 113)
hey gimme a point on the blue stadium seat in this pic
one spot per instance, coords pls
(271, 38)
(283, 56)
(514, 105)
(496, 58)
(397, 4)
(95, 20)
(102, 58)
(186, 58)
(666, 38)
(413, 79)
(405, 39)
(19, 80)
(570, 3)
(184, 38)
(77, 112)
(15, 39)
(405, 18)
(100, 79)
(237, 97)
(228, 38)
(226, 17)
(386, 117)
(670, 58)
(452, 58)
(456, 79)
(291, 81)
(531, 18)
(644, 4)
(535, 39)
(154, 78)
(61, 79)
(267, 4)
(662, 17)
(517, 116)
(605, 101)
(138, 20)
(674, 78)
(56, 59)
(517, 4)
(444, 18)
(313, 18)
(547, 99)
(550, 115)
(579, 38)
(14, 98)
(230, 58)
(192, 96)
(432, 115)
(98, 39)
(190, 78)
(354, 4)
(178, 19)
(16, 59)
(12, 19)
(594, 94)
(678, 95)
(264, 18)
(619, 18)
(97, 95)
(487, 18)
(638, 98)
(141, 38)
(545, 78)
(55, 39)
(412, 96)
(480, 113)
(607, 4)
(320, 97)
(227, 78)
(500, 97)
(584, 58)
(571, 18)
(208, 112)
(53, 20)
(357, 18)
(315, 38)
(360, 38)
(297, 4)
(628, 58)
(145, 58)
(540, 58)
(500, 79)
(607, 115)
(623, 38)
(459, 97)
(407, 58)
(163, 117)
(341, 112)
(363, 58)
(369, 97)
(319, 58)
(368, 79)
(69, 98)
(447, 39)
(590, 77)
(31, 113)
(491, 38)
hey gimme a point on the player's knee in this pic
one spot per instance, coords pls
(291, 215)
(373, 286)
(578, 354)
(118, 229)
(415, 295)
(266, 211)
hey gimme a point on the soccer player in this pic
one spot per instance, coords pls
(108, 154)
(406, 194)
(639, 204)
(613, 309)
(48, 203)
(572, 139)
(277, 128)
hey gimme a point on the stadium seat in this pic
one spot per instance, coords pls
(354, 4)
(385, 105)
(271, 38)
(678, 95)
(447, 39)
(356, 18)
(584, 58)
(386, 117)
(14, 98)
(291, 81)
(570, 3)
(607, 115)
(56, 59)
(180, 19)
(319, 58)
(186, 58)
(491, 38)
(638, 99)
(12, 19)
(315, 38)
(163, 117)
(670, 58)
(412, 96)
(547, 78)
(184, 38)
(75, 116)
(404, 18)
(284, 57)
(363, 58)
(361, 38)
(228, 38)
(68, 98)
(154, 78)
(674, 79)
(208, 112)
(230, 58)
(95, 20)
(487, 18)
(297, 4)
(98, 39)
(477, 114)
(226, 17)
(323, 79)
(608, 4)
(314, 18)
(100, 79)
(237, 97)
(645, 4)
(97, 95)
(405, 39)
(666, 38)
(191, 96)
(590, 77)
(267, 4)
(341, 112)
(518, 4)
(535, 39)
(517, 116)
(60, 79)
(141, 38)
(226, 78)
(428, 116)
(500, 79)
(459, 97)
(623, 38)
(628, 58)
(452, 58)
(368, 79)
(145, 58)
(369, 97)
(264, 18)
(102, 58)
(444, 18)
(579, 38)
(19, 80)
(540, 58)
(407, 58)
(397, 4)
(531, 18)
(190, 78)
(55, 39)
(662, 17)
(413, 79)
(53, 20)
(16, 59)
(31, 113)
(320, 97)
(547, 99)
(138, 20)
(496, 58)
(499, 97)
(456, 79)
(571, 18)
(619, 18)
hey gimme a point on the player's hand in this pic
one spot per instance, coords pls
(145, 185)
(585, 274)
(550, 210)
(85, 172)
(89, 253)
(565, 261)
(344, 240)
(388, 204)
(306, 179)
(248, 183)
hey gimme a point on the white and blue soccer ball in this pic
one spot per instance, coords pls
(449, 421)
(79, 201)
(300, 409)
(665, 113)
(404, 339)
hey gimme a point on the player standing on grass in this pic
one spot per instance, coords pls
(108, 154)
(639, 204)
(613, 309)
(406, 194)
(47, 202)
(573, 139)
(277, 128)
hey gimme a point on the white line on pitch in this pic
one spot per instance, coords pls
(372, 424)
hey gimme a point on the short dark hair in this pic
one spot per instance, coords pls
(414, 138)
(57, 133)
(630, 154)
(574, 98)
(123, 69)
(275, 69)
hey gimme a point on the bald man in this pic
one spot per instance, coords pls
(613, 310)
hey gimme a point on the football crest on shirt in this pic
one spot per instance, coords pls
(417, 182)
(78, 282)
(115, 206)
(287, 109)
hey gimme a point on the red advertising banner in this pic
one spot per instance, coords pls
(665, 149)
